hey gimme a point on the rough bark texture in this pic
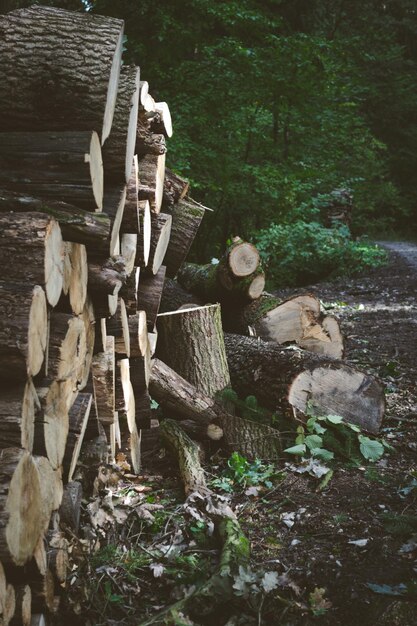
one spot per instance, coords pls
(148, 142)
(113, 204)
(191, 343)
(103, 369)
(70, 509)
(188, 455)
(174, 296)
(118, 327)
(31, 251)
(23, 330)
(175, 188)
(130, 222)
(64, 166)
(78, 419)
(119, 148)
(77, 225)
(284, 380)
(151, 180)
(18, 407)
(129, 291)
(63, 88)
(186, 220)
(149, 295)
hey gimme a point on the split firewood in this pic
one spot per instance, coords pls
(65, 166)
(103, 369)
(18, 407)
(151, 180)
(144, 238)
(297, 320)
(191, 343)
(23, 330)
(118, 327)
(21, 515)
(289, 380)
(119, 148)
(78, 420)
(174, 296)
(77, 225)
(75, 275)
(130, 221)
(186, 220)
(160, 234)
(175, 188)
(31, 251)
(129, 291)
(88, 82)
(149, 295)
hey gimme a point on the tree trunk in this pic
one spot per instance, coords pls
(129, 291)
(151, 180)
(130, 222)
(144, 239)
(160, 234)
(174, 296)
(64, 88)
(175, 188)
(21, 516)
(119, 148)
(188, 455)
(215, 283)
(295, 320)
(149, 295)
(242, 258)
(186, 220)
(78, 420)
(294, 381)
(191, 343)
(23, 330)
(103, 368)
(18, 408)
(77, 225)
(63, 166)
(31, 251)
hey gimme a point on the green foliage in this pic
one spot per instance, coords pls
(301, 252)
(329, 437)
(241, 473)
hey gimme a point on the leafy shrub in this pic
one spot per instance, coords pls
(300, 252)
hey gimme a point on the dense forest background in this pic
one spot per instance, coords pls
(276, 103)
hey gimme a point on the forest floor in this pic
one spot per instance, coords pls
(340, 554)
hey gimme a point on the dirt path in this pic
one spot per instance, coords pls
(378, 315)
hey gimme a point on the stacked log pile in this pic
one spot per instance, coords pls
(92, 226)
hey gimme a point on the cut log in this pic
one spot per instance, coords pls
(143, 411)
(202, 433)
(296, 320)
(64, 88)
(23, 330)
(292, 381)
(174, 296)
(191, 343)
(23, 610)
(242, 258)
(129, 291)
(160, 234)
(65, 337)
(19, 406)
(186, 220)
(188, 455)
(148, 142)
(118, 327)
(214, 282)
(31, 251)
(175, 188)
(149, 295)
(130, 222)
(78, 420)
(128, 245)
(75, 275)
(86, 347)
(21, 515)
(119, 148)
(103, 369)
(144, 239)
(107, 277)
(153, 338)
(151, 180)
(77, 225)
(57, 552)
(51, 430)
(70, 509)
(51, 490)
(64, 166)
(161, 122)
(139, 341)
(114, 203)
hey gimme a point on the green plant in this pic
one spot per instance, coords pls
(324, 437)
(241, 473)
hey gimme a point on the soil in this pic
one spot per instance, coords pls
(324, 546)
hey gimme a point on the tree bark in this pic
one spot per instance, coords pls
(64, 166)
(78, 420)
(139, 341)
(186, 220)
(148, 142)
(130, 221)
(119, 148)
(129, 291)
(70, 509)
(23, 330)
(151, 180)
(18, 408)
(31, 251)
(191, 343)
(161, 121)
(188, 455)
(107, 277)
(118, 327)
(149, 295)
(175, 188)
(174, 296)
(103, 369)
(21, 515)
(23, 610)
(77, 225)
(51, 429)
(64, 88)
(298, 382)
(113, 204)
